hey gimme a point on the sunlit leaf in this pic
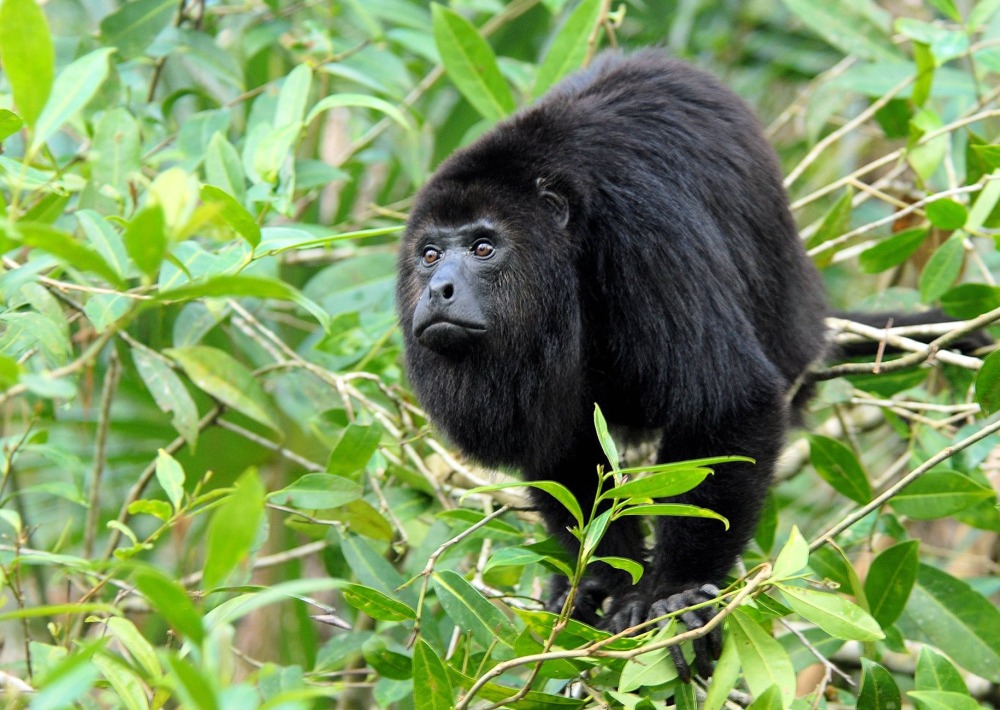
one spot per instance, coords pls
(226, 379)
(833, 613)
(72, 89)
(570, 45)
(471, 64)
(764, 661)
(471, 611)
(27, 54)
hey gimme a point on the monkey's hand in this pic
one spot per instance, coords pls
(636, 608)
(590, 596)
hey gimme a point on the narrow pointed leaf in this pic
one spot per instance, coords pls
(833, 613)
(233, 529)
(569, 47)
(471, 64)
(890, 579)
(226, 379)
(471, 611)
(73, 88)
(27, 56)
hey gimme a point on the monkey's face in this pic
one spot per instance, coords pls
(456, 269)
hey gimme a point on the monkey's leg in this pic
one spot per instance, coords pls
(692, 555)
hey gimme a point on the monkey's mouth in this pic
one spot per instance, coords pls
(447, 337)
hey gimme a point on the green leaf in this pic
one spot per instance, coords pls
(169, 393)
(837, 465)
(385, 661)
(857, 28)
(233, 528)
(764, 661)
(942, 269)
(233, 213)
(294, 96)
(956, 619)
(66, 681)
(471, 64)
(223, 167)
(376, 604)
(604, 436)
(361, 101)
(659, 485)
(27, 55)
(833, 613)
(372, 570)
(226, 379)
(123, 680)
(73, 88)
(10, 123)
(431, 686)
(146, 239)
(634, 569)
(354, 450)
(984, 205)
(834, 224)
(569, 47)
(927, 65)
(171, 601)
(673, 509)
(117, 148)
(941, 700)
(317, 491)
(770, 699)
(63, 246)
(890, 578)
(935, 672)
(558, 491)
(947, 214)
(648, 670)
(361, 517)
(948, 9)
(193, 687)
(239, 285)
(725, 676)
(471, 611)
(970, 300)
(135, 643)
(135, 24)
(926, 157)
(793, 558)
(938, 494)
(988, 384)
(892, 251)
(171, 477)
(982, 12)
(878, 689)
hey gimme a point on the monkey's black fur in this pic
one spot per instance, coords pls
(625, 241)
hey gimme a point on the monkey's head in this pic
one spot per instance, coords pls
(473, 262)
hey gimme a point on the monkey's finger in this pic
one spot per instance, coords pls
(683, 669)
(703, 656)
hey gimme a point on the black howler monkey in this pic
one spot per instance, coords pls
(625, 241)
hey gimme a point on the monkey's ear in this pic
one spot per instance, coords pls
(554, 201)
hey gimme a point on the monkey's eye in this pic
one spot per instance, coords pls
(431, 255)
(483, 249)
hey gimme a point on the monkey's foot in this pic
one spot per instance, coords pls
(636, 608)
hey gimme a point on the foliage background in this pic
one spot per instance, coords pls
(216, 490)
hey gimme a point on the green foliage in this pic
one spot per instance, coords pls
(215, 488)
